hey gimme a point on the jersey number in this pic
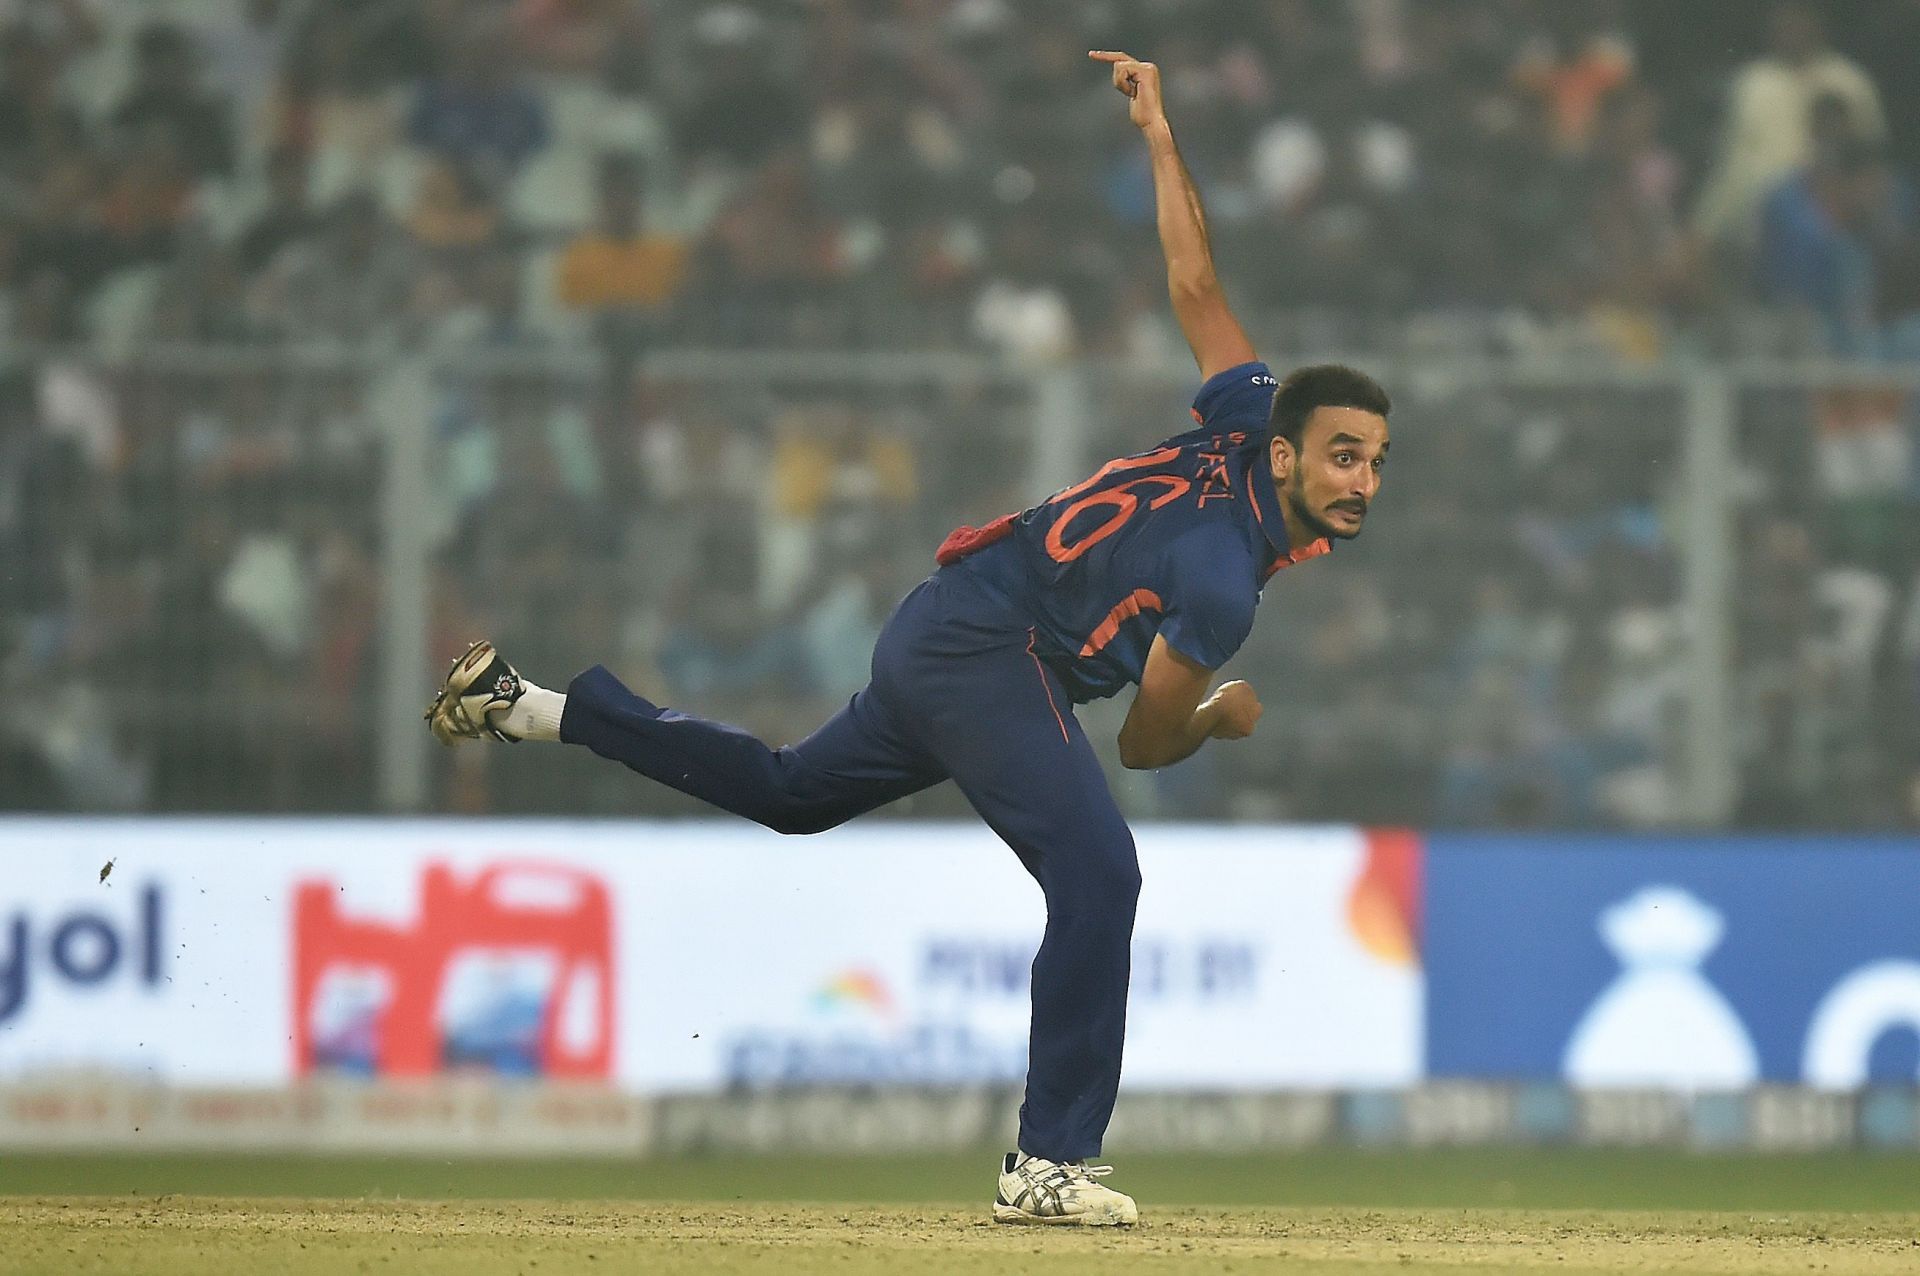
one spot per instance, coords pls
(1119, 498)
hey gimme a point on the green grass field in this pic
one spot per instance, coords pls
(1323, 1211)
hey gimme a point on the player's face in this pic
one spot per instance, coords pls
(1332, 478)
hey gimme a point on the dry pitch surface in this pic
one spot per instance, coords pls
(481, 1238)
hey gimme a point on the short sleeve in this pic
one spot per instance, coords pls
(1210, 613)
(1240, 398)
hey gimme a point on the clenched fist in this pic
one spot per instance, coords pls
(1139, 80)
(1236, 710)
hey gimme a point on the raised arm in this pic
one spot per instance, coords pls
(1216, 337)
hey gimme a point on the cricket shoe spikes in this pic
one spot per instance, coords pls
(480, 684)
(1035, 1190)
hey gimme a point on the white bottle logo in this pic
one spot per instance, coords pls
(1660, 1023)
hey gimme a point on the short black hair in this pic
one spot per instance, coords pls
(1322, 385)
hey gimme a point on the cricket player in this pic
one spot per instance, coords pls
(1146, 573)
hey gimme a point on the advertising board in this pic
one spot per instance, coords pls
(1687, 964)
(679, 957)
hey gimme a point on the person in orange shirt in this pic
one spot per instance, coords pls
(619, 265)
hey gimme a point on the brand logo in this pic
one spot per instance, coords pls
(1214, 968)
(856, 1031)
(1683, 965)
(510, 971)
(82, 948)
(856, 987)
(1383, 908)
(1661, 1023)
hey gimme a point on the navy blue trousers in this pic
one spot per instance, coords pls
(957, 693)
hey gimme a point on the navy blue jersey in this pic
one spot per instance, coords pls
(1178, 540)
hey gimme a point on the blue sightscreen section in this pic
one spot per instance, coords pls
(1513, 955)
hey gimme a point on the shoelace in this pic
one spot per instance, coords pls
(462, 721)
(1076, 1172)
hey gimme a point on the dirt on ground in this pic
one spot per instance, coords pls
(166, 1236)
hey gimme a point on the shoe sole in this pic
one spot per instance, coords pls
(459, 680)
(1015, 1215)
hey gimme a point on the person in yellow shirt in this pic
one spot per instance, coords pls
(619, 265)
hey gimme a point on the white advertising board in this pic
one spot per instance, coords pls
(678, 957)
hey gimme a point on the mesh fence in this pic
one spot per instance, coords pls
(198, 605)
(1827, 618)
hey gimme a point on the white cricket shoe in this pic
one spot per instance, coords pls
(1034, 1190)
(480, 684)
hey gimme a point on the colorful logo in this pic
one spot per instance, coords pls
(855, 987)
(509, 972)
(1384, 906)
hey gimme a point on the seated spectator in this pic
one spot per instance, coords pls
(36, 120)
(64, 238)
(288, 218)
(1021, 310)
(167, 94)
(202, 293)
(452, 210)
(1767, 133)
(479, 114)
(574, 36)
(775, 243)
(147, 197)
(350, 283)
(245, 54)
(1572, 72)
(1822, 227)
(620, 264)
(1633, 250)
(741, 107)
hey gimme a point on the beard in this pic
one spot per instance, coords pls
(1312, 519)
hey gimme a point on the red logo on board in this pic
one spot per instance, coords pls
(509, 971)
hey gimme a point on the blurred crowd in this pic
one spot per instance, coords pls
(949, 172)
(224, 222)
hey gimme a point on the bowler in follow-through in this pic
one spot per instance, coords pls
(1146, 573)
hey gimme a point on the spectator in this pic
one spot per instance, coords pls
(620, 264)
(167, 95)
(1823, 229)
(147, 197)
(202, 294)
(453, 212)
(245, 55)
(37, 123)
(574, 36)
(288, 218)
(1021, 311)
(65, 238)
(775, 244)
(479, 114)
(1572, 72)
(1636, 261)
(348, 284)
(741, 106)
(1767, 134)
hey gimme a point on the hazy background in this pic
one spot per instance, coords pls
(676, 336)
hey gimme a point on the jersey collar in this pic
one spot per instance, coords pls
(1264, 499)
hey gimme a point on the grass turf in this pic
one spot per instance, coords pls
(1435, 1178)
(1322, 1211)
(180, 1235)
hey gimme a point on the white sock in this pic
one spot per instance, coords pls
(535, 715)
